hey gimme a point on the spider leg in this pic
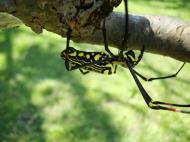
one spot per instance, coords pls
(115, 69)
(159, 78)
(67, 65)
(68, 37)
(83, 71)
(140, 56)
(155, 104)
(105, 39)
(126, 29)
(73, 20)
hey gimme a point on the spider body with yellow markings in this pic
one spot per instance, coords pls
(98, 62)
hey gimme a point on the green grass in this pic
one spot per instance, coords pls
(41, 102)
(177, 8)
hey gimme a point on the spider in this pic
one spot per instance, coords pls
(106, 63)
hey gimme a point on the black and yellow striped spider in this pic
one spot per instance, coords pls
(106, 63)
(99, 62)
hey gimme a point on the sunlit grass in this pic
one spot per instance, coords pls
(41, 101)
(176, 8)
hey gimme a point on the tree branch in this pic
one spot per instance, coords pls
(8, 21)
(7, 6)
(159, 34)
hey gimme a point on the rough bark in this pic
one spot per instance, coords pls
(159, 34)
(8, 21)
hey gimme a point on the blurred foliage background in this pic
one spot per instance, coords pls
(41, 102)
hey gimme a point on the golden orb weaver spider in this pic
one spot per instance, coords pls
(106, 63)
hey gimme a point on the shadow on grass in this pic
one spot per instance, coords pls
(91, 123)
(21, 120)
